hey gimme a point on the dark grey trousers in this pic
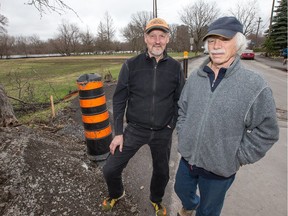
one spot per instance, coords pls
(134, 138)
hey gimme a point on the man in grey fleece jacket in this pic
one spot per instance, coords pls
(227, 118)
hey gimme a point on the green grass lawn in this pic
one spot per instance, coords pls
(34, 80)
(41, 77)
(51, 76)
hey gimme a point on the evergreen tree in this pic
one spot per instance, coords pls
(277, 40)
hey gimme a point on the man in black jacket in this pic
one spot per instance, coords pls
(148, 88)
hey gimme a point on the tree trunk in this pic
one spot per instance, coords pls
(7, 116)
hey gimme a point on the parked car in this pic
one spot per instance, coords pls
(248, 54)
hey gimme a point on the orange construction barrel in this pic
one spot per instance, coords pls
(95, 116)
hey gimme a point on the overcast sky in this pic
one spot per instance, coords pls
(25, 20)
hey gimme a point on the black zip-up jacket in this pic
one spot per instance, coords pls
(150, 90)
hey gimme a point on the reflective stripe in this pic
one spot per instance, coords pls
(95, 118)
(93, 102)
(90, 85)
(98, 134)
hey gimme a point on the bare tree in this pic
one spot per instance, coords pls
(133, 38)
(28, 45)
(57, 6)
(173, 34)
(22, 45)
(67, 41)
(101, 40)
(36, 46)
(87, 42)
(106, 33)
(140, 19)
(197, 17)
(109, 25)
(3, 23)
(246, 13)
(6, 45)
(134, 31)
(7, 116)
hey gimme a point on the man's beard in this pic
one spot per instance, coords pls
(157, 52)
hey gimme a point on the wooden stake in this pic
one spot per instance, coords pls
(52, 106)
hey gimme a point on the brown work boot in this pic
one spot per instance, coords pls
(184, 212)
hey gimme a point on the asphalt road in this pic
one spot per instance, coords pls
(260, 189)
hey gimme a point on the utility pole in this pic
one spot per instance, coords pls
(259, 21)
(271, 17)
(154, 8)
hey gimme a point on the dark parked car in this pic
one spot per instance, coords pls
(247, 54)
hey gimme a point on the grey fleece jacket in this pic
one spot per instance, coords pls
(230, 127)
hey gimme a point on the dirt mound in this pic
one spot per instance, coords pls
(45, 171)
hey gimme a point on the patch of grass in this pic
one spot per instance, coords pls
(42, 116)
(52, 76)
(33, 80)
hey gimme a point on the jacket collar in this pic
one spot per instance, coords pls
(165, 55)
(234, 67)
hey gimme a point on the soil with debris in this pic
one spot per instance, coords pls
(45, 170)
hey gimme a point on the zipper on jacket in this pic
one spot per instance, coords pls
(200, 135)
(213, 83)
(154, 90)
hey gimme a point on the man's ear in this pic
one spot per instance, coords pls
(145, 37)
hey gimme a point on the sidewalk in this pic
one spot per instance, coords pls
(276, 62)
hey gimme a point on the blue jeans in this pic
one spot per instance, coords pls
(212, 192)
(134, 138)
